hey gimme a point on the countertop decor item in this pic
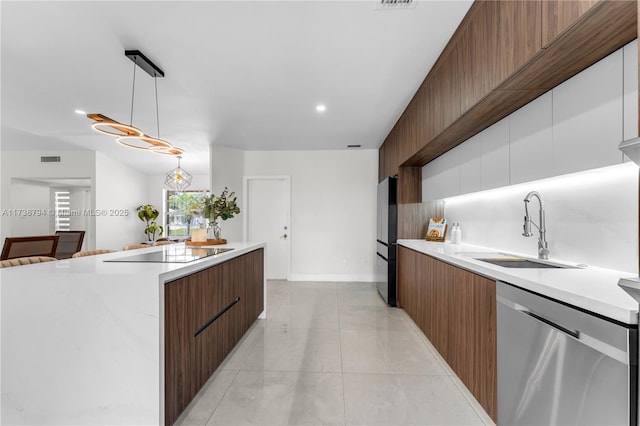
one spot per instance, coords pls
(148, 214)
(217, 208)
(437, 229)
(127, 134)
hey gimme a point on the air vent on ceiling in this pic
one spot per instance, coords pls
(50, 159)
(354, 146)
(395, 4)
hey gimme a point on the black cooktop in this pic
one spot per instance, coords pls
(172, 254)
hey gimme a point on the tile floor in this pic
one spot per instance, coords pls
(333, 354)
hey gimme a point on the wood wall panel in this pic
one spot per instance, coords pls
(382, 165)
(557, 16)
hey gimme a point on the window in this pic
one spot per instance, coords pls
(63, 211)
(183, 212)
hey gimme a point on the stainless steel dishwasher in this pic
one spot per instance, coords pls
(558, 365)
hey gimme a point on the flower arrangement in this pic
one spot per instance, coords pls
(223, 206)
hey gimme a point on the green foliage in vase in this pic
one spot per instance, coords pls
(223, 206)
(148, 214)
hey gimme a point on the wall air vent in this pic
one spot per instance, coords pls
(50, 159)
(395, 4)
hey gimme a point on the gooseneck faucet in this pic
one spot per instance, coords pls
(543, 247)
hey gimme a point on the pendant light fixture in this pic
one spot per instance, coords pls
(178, 179)
(126, 134)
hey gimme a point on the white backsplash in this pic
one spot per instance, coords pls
(591, 217)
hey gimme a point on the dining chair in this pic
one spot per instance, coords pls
(70, 242)
(92, 252)
(136, 246)
(40, 245)
(163, 243)
(18, 261)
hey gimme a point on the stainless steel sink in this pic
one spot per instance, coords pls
(520, 262)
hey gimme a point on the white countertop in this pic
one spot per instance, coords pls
(82, 339)
(592, 289)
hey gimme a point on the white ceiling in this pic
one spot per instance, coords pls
(237, 73)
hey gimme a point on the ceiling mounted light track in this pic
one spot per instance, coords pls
(127, 134)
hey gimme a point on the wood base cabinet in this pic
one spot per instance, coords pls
(206, 314)
(456, 310)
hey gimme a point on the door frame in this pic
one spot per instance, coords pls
(245, 217)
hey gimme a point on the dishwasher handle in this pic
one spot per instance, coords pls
(572, 333)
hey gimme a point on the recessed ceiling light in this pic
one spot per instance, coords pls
(79, 111)
(321, 108)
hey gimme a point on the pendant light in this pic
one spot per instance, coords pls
(126, 134)
(178, 179)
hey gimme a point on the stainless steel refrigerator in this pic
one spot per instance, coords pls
(386, 239)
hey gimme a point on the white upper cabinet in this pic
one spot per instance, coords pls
(574, 127)
(441, 177)
(630, 84)
(587, 118)
(469, 156)
(494, 155)
(531, 141)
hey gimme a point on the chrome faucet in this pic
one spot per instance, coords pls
(543, 247)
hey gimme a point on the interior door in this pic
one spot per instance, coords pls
(267, 219)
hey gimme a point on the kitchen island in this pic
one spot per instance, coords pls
(84, 341)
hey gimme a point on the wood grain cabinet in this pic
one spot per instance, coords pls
(206, 314)
(456, 310)
(557, 16)
(503, 55)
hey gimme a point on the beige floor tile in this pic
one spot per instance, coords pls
(317, 315)
(296, 349)
(305, 296)
(359, 297)
(205, 402)
(385, 399)
(356, 317)
(282, 398)
(386, 351)
(244, 347)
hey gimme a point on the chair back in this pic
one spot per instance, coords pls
(18, 261)
(92, 252)
(41, 245)
(135, 246)
(70, 242)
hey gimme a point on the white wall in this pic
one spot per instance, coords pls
(27, 195)
(118, 188)
(333, 210)
(227, 170)
(592, 217)
(26, 164)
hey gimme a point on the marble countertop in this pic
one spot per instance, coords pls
(82, 339)
(592, 289)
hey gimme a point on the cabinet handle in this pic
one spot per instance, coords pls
(215, 317)
(572, 333)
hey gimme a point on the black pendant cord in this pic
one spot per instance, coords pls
(133, 90)
(155, 80)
